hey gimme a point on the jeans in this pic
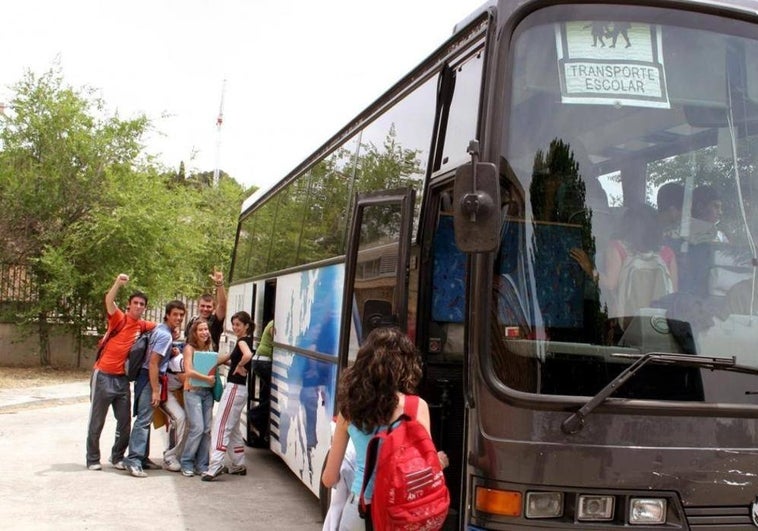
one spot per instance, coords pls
(107, 390)
(198, 405)
(140, 438)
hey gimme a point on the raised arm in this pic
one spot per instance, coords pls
(218, 280)
(110, 297)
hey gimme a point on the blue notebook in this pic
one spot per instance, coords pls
(203, 362)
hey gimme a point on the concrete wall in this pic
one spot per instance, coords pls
(19, 351)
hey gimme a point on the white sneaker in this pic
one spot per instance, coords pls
(95, 466)
(119, 465)
(171, 465)
(136, 471)
(187, 473)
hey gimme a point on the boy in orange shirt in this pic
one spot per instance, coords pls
(109, 386)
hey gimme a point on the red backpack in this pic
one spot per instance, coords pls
(409, 487)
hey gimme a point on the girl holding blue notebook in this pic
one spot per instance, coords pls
(200, 369)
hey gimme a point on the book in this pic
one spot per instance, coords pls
(203, 362)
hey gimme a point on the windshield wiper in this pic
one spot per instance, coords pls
(575, 422)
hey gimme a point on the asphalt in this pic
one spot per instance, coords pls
(45, 395)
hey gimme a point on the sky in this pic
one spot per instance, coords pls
(291, 73)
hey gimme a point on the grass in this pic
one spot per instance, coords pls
(17, 377)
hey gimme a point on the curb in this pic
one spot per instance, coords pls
(43, 402)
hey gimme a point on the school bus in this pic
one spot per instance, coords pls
(557, 205)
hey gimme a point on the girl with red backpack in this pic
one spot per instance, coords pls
(371, 398)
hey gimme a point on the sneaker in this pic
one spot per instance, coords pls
(210, 476)
(94, 466)
(171, 465)
(236, 470)
(118, 465)
(147, 464)
(136, 471)
(187, 473)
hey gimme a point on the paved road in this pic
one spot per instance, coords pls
(45, 485)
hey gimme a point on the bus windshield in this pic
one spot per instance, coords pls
(628, 163)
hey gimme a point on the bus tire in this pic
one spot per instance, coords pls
(324, 492)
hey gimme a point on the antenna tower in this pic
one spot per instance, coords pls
(219, 123)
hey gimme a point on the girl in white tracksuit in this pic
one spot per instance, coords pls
(226, 435)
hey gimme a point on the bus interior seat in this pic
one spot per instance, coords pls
(448, 291)
(558, 280)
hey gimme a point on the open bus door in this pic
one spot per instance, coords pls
(376, 274)
(376, 267)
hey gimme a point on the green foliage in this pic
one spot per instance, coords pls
(82, 203)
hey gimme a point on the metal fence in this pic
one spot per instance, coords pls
(16, 284)
(18, 291)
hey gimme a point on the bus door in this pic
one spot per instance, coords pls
(376, 267)
(259, 384)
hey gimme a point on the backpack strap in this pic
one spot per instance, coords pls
(108, 335)
(118, 328)
(372, 456)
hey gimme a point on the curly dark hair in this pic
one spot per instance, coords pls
(244, 318)
(386, 364)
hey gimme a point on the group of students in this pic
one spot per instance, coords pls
(372, 395)
(171, 384)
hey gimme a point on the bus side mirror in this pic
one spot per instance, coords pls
(476, 206)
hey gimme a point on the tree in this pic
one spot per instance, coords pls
(82, 202)
(59, 153)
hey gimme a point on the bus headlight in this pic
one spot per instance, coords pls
(544, 504)
(595, 508)
(647, 511)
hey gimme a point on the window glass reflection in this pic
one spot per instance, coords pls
(628, 220)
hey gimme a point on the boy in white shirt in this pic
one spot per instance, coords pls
(173, 407)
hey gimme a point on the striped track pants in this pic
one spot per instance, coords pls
(226, 435)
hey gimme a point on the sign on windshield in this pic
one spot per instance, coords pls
(611, 63)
